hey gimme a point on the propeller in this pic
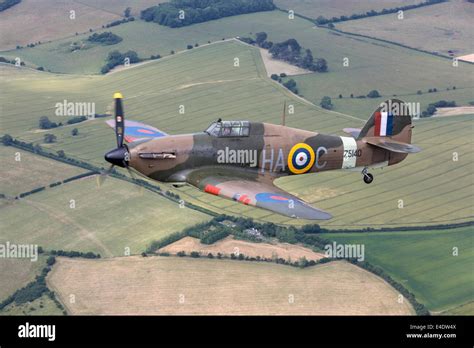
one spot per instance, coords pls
(120, 155)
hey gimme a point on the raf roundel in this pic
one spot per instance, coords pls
(301, 158)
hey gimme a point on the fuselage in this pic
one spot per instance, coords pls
(265, 150)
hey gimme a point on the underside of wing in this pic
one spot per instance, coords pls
(135, 131)
(258, 193)
(392, 145)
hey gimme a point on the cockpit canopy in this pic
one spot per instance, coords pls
(229, 129)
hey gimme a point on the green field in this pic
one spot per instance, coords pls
(423, 262)
(41, 306)
(466, 309)
(392, 69)
(16, 273)
(35, 171)
(106, 219)
(439, 28)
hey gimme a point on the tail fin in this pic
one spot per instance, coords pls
(390, 127)
(391, 119)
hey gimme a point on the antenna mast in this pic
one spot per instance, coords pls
(283, 116)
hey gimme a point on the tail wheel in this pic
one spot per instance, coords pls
(368, 178)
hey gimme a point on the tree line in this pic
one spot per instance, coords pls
(180, 13)
(321, 20)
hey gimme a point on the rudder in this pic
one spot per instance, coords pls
(391, 119)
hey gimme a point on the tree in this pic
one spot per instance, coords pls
(274, 77)
(321, 65)
(45, 123)
(326, 103)
(291, 85)
(49, 138)
(7, 140)
(127, 12)
(321, 20)
(373, 94)
(61, 154)
(75, 132)
(308, 59)
(260, 38)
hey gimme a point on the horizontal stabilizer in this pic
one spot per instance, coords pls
(135, 131)
(352, 131)
(391, 145)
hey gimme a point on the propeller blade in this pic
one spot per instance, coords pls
(119, 119)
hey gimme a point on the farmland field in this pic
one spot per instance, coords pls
(230, 245)
(438, 28)
(35, 171)
(337, 8)
(16, 273)
(31, 21)
(111, 219)
(423, 262)
(172, 285)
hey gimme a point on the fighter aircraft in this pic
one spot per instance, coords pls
(240, 160)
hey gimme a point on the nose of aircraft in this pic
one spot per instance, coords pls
(118, 157)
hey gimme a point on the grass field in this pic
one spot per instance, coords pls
(16, 273)
(41, 306)
(35, 171)
(337, 8)
(172, 285)
(424, 263)
(31, 21)
(105, 220)
(392, 69)
(437, 28)
(466, 309)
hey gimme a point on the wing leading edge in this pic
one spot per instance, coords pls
(135, 131)
(260, 194)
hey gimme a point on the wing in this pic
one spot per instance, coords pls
(135, 131)
(352, 131)
(258, 193)
(392, 145)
